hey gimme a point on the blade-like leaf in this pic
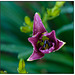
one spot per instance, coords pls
(68, 9)
(15, 48)
(64, 28)
(65, 59)
(9, 63)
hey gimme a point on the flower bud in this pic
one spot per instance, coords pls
(60, 4)
(21, 67)
(27, 20)
(55, 11)
(25, 29)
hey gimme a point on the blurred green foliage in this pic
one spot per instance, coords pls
(15, 45)
(3, 72)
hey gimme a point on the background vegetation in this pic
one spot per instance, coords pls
(15, 45)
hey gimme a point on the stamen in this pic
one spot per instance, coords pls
(44, 45)
(41, 40)
(49, 44)
(44, 42)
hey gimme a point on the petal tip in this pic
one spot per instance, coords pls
(36, 13)
(63, 44)
(53, 30)
(29, 60)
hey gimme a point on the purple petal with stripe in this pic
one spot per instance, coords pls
(38, 25)
(51, 36)
(35, 55)
(59, 44)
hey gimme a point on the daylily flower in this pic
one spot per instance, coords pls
(42, 41)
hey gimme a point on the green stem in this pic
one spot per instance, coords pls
(44, 20)
(50, 18)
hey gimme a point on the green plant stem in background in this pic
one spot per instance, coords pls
(44, 20)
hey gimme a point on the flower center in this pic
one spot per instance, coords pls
(44, 43)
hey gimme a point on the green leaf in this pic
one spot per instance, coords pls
(15, 48)
(49, 66)
(68, 49)
(65, 59)
(60, 57)
(64, 28)
(7, 38)
(67, 9)
(25, 54)
(9, 63)
(19, 13)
